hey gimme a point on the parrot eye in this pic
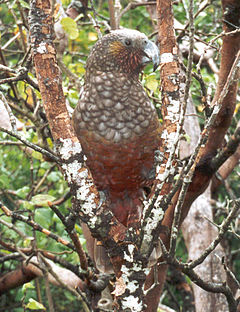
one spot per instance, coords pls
(128, 42)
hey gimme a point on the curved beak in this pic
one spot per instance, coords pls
(151, 54)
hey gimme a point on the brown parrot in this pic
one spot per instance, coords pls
(116, 123)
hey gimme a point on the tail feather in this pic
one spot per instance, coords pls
(128, 211)
(101, 259)
(127, 208)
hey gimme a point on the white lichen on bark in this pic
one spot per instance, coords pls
(173, 111)
(129, 257)
(153, 220)
(132, 301)
(42, 48)
(76, 173)
(166, 58)
(69, 148)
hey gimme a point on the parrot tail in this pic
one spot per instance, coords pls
(128, 211)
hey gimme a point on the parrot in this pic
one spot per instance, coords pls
(116, 123)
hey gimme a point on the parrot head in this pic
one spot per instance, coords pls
(123, 50)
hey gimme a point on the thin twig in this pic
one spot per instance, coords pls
(33, 146)
(117, 10)
(74, 79)
(42, 180)
(12, 39)
(227, 151)
(112, 14)
(211, 287)
(11, 143)
(36, 226)
(23, 112)
(69, 226)
(187, 179)
(204, 5)
(12, 256)
(222, 230)
(94, 20)
(14, 228)
(133, 5)
(80, 295)
(20, 74)
(230, 273)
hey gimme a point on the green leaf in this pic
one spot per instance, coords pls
(54, 176)
(187, 138)
(176, 177)
(27, 241)
(152, 83)
(43, 216)
(5, 251)
(78, 228)
(41, 200)
(37, 155)
(27, 286)
(45, 165)
(41, 172)
(24, 4)
(70, 27)
(50, 142)
(35, 305)
(4, 181)
(22, 192)
(27, 205)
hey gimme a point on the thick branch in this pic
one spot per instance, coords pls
(48, 73)
(29, 271)
(231, 147)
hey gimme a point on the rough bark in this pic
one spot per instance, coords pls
(226, 169)
(30, 271)
(198, 232)
(218, 128)
(15, 279)
(47, 71)
(171, 112)
(230, 48)
(100, 221)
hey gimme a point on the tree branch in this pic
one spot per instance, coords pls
(35, 226)
(223, 228)
(227, 151)
(31, 145)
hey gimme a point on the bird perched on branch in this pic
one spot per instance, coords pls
(116, 122)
